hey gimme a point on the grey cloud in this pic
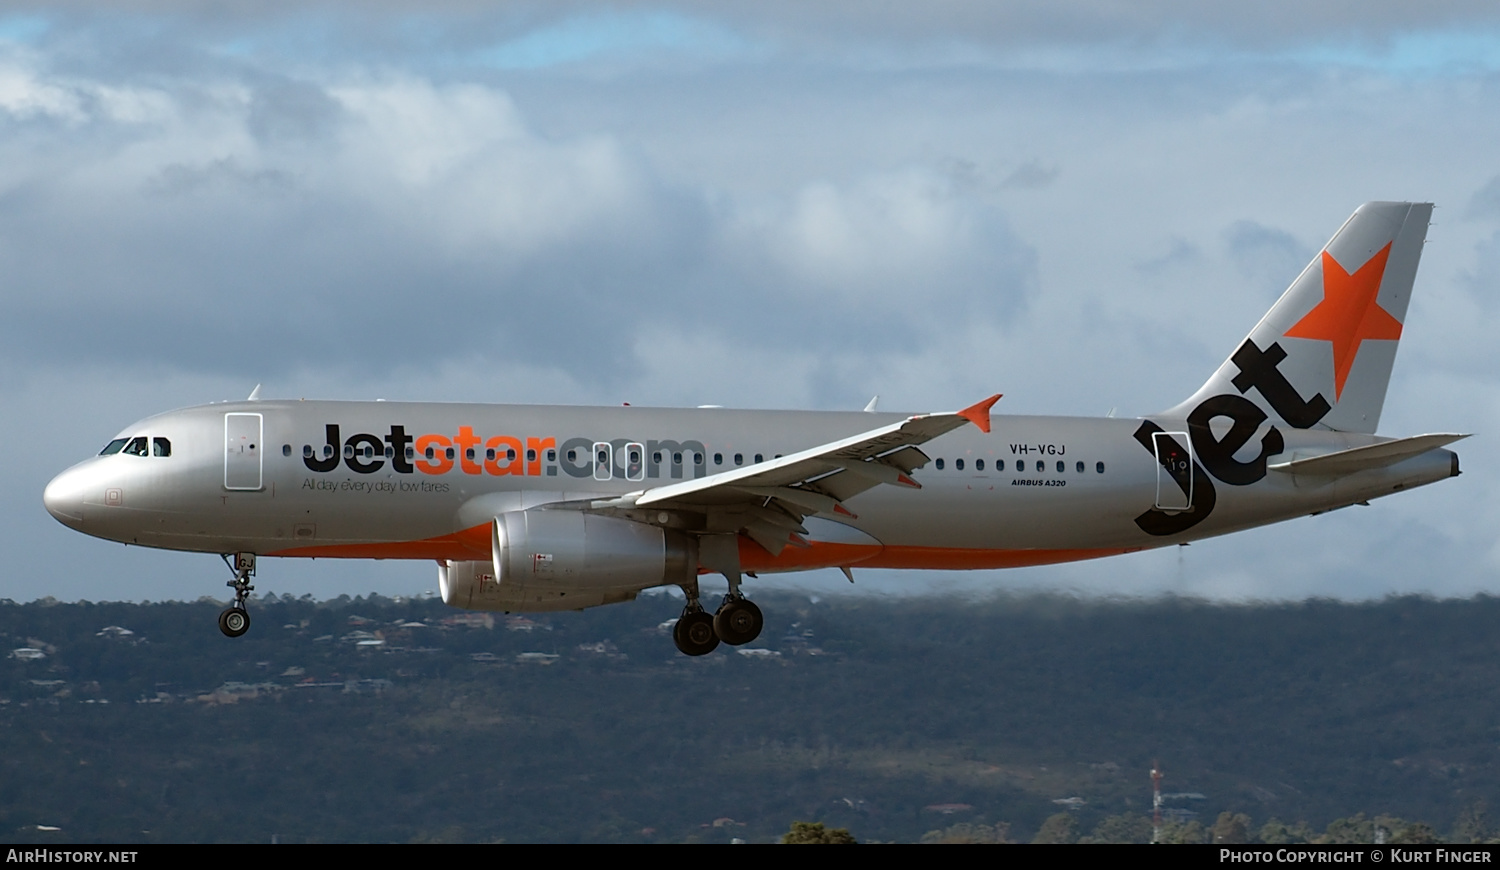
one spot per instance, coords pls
(1268, 256)
(1031, 175)
(1485, 203)
(392, 244)
(182, 178)
(286, 109)
(1483, 281)
(943, 31)
(1181, 251)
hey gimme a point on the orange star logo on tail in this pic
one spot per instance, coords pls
(1348, 313)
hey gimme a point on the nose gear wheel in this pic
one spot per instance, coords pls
(234, 622)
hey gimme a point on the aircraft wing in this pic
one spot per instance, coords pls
(769, 500)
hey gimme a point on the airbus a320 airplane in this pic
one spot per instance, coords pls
(528, 508)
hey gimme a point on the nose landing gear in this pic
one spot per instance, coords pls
(235, 619)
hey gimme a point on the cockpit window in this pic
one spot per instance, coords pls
(161, 447)
(113, 447)
(136, 447)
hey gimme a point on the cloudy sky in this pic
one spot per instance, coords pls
(1082, 205)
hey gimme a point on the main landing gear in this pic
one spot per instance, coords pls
(235, 619)
(737, 621)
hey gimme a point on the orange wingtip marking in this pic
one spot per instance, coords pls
(979, 413)
(463, 546)
(840, 509)
(906, 481)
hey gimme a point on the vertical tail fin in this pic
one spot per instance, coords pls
(1322, 356)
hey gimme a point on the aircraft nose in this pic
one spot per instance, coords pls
(64, 497)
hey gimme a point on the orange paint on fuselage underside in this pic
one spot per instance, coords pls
(753, 557)
(468, 545)
(473, 545)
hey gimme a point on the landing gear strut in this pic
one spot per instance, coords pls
(235, 619)
(694, 631)
(737, 621)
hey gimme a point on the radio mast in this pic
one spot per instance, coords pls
(1156, 803)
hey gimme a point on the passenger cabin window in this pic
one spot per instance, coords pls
(1020, 465)
(1061, 466)
(958, 464)
(286, 450)
(307, 451)
(136, 447)
(113, 447)
(1080, 466)
(1040, 465)
(979, 465)
(940, 465)
(759, 458)
(1099, 467)
(739, 458)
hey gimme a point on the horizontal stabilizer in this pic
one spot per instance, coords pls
(1362, 458)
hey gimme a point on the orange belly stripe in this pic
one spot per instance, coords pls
(473, 544)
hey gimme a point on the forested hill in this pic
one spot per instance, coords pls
(374, 719)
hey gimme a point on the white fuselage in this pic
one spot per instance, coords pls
(1033, 490)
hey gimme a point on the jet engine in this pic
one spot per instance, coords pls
(567, 560)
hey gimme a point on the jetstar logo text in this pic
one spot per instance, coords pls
(467, 452)
(1258, 371)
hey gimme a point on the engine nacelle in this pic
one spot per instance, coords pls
(567, 560)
